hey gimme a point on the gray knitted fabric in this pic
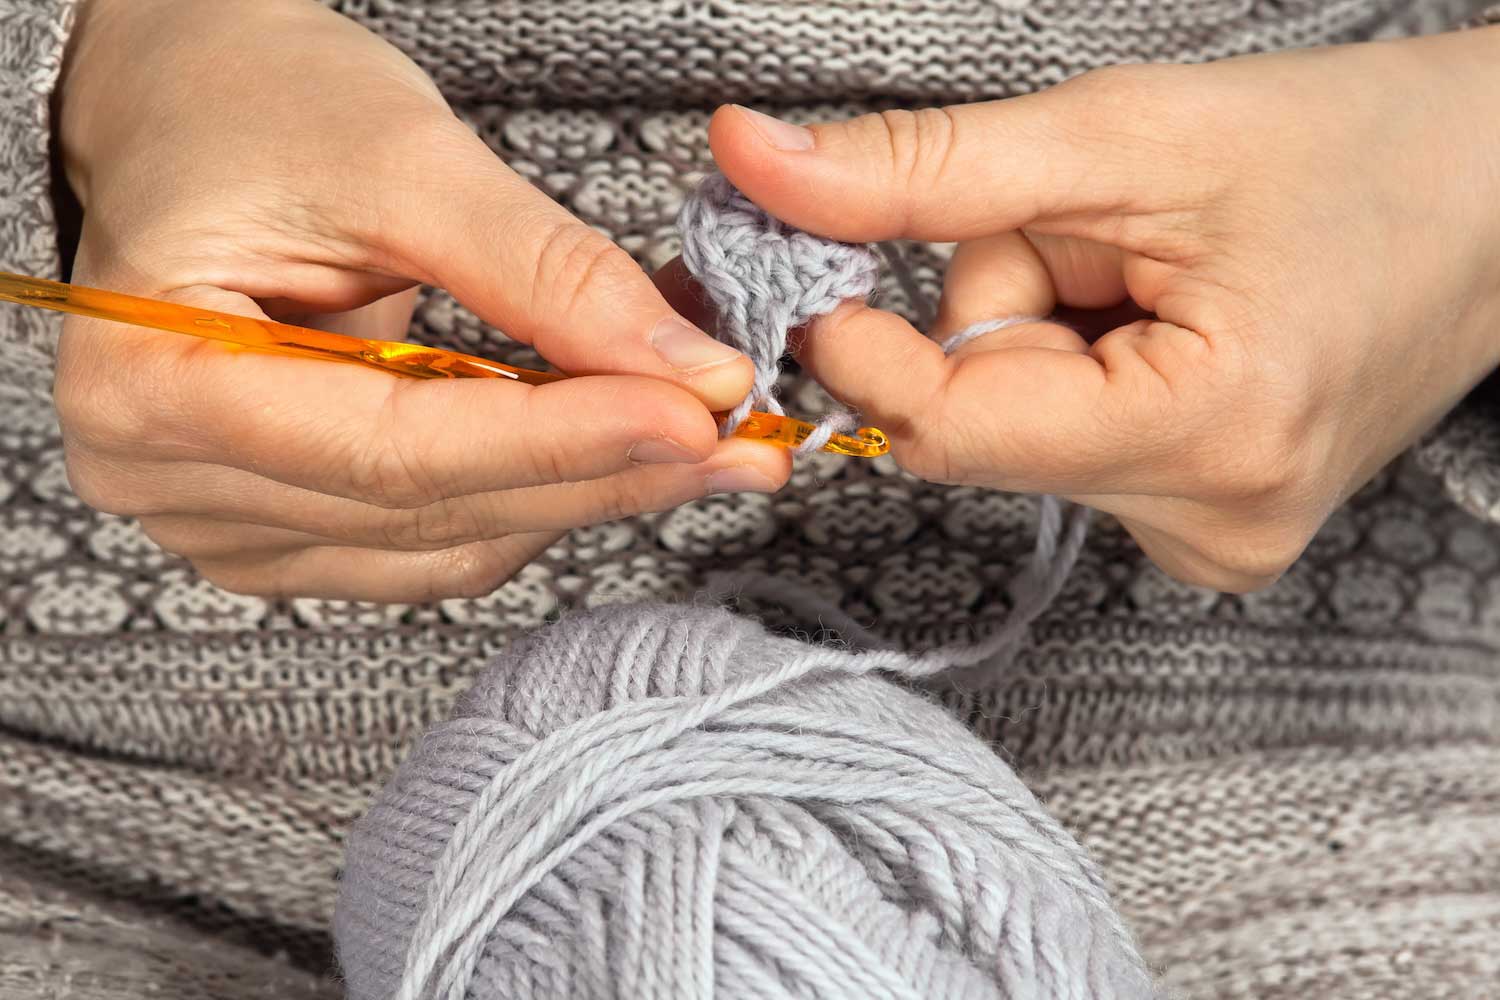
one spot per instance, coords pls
(668, 801)
(765, 279)
(1293, 793)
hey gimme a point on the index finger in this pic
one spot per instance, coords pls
(466, 222)
(1020, 418)
(352, 432)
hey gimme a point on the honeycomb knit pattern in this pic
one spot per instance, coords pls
(1292, 793)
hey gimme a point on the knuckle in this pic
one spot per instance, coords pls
(91, 412)
(543, 463)
(399, 529)
(439, 525)
(105, 489)
(408, 141)
(1147, 114)
(1107, 82)
(1270, 453)
(933, 446)
(928, 457)
(427, 134)
(548, 465)
(573, 264)
(624, 499)
(1260, 559)
(82, 420)
(384, 478)
(1248, 558)
(384, 467)
(87, 480)
(1259, 471)
(236, 580)
(1116, 94)
(918, 143)
(154, 412)
(1224, 580)
(162, 532)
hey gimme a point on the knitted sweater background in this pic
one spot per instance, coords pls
(1294, 792)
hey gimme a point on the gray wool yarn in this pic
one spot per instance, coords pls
(1056, 550)
(765, 279)
(669, 801)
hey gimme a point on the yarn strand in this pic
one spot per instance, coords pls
(766, 278)
(668, 800)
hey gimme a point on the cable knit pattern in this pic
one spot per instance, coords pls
(1294, 792)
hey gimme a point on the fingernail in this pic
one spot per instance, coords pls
(777, 133)
(685, 347)
(740, 479)
(662, 449)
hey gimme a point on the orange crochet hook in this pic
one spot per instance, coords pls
(409, 360)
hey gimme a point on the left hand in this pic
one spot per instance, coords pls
(1312, 240)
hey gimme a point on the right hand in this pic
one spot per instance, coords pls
(274, 158)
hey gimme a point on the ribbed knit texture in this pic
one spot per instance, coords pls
(1293, 793)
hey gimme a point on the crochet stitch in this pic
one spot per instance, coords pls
(765, 279)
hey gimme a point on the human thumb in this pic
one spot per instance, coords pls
(942, 174)
(521, 262)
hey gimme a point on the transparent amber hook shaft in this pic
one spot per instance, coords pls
(410, 360)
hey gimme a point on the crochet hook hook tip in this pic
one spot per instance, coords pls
(867, 442)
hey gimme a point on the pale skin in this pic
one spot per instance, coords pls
(293, 164)
(1312, 234)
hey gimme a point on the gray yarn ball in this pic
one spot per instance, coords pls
(669, 801)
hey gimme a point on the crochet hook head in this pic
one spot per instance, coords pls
(408, 360)
(867, 442)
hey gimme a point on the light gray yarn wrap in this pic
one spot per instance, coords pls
(766, 279)
(669, 801)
